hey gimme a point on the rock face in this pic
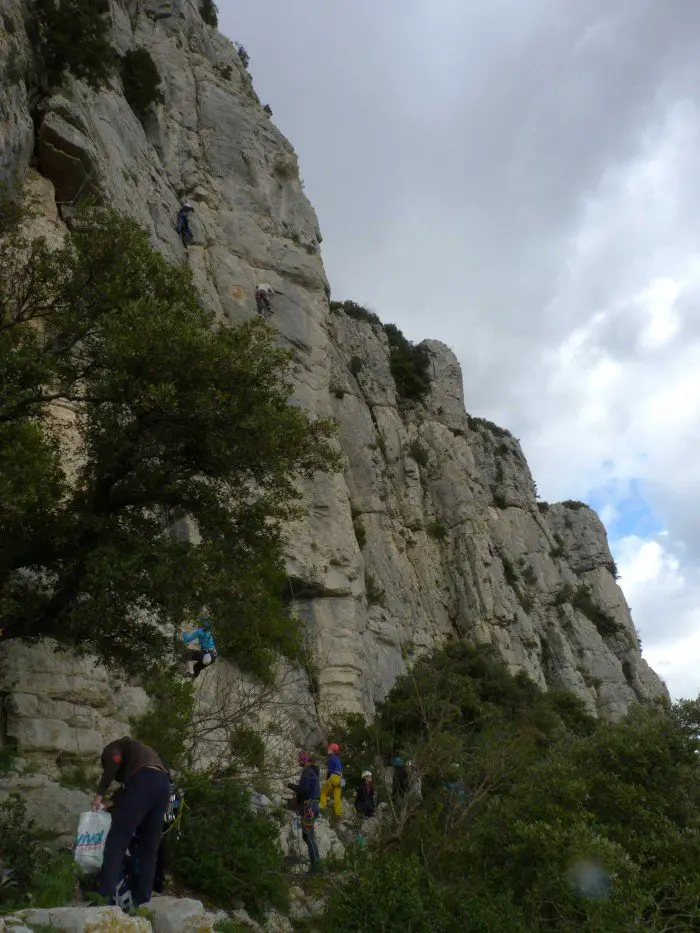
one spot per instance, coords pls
(433, 530)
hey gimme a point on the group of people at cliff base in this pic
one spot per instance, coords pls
(264, 292)
(312, 795)
(148, 803)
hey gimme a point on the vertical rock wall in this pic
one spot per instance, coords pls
(432, 531)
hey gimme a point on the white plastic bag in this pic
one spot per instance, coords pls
(90, 841)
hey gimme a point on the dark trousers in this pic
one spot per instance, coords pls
(308, 834)
(141, 809)
(198, 657)
(309, 837)
(263, 302)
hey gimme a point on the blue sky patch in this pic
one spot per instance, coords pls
(635, 514)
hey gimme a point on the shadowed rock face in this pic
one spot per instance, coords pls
(432, 531)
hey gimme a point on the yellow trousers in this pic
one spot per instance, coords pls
(332, 784)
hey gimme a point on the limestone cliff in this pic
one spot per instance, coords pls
(433, 531)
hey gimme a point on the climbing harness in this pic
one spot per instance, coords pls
(176, 807)
(307, 818)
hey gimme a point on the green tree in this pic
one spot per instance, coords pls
(172, 418)
(40, 877)
(530, 809)
(141, 80)
(209, 13)
(225, 852)
(73, 35)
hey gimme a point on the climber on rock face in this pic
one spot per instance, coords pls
(207, 654)
(264, 293)
(307, 791)
(334, 779)
(183, 224)
(140, 810)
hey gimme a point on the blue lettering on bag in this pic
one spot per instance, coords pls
(90, 839)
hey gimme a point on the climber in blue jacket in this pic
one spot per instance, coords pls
(183, 224)
(207, 653)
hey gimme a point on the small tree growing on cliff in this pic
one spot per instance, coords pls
(141, 81)
(209, 13)
(73, 36)
(165, 416)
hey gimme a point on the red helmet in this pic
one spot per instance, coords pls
(304, 757)
(333, 748)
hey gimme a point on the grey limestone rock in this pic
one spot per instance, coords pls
(432, 530)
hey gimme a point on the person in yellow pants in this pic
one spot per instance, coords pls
(333, 782)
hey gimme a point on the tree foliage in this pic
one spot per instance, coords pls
(530, 809)
(224, 851)
(40, 877)
(123, 411)
(410, 363)
(209, 13)
(73, 36)
(141, 80)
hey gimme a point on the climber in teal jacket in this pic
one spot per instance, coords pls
(207, 654)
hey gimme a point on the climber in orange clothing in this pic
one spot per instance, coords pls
(334, 780)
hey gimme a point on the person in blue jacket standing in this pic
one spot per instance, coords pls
(207, 653)
(308, 790)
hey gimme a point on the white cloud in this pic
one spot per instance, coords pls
(678, 664)
(658, 301)
(666, 607)
(522, 181)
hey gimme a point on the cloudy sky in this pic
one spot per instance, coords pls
(521, 179)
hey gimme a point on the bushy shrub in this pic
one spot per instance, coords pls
(165, 726)
(392, 893)
(499, 498)
(476, 423)
(510, 572)
(209, 13)
(73, 36)
(566, 823)
(249, 747)
(141, 80)
(243, 55)
(8, 757)
(525, 599)
(226, 853)
(375, 594)
(419, 453)
(563, 595)
(529, 575)
(356, 365)
(41, 877)
(353, 310)
(409, 365)
(574, 504)
(409, 362)
(438, 529)
(606, 624)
